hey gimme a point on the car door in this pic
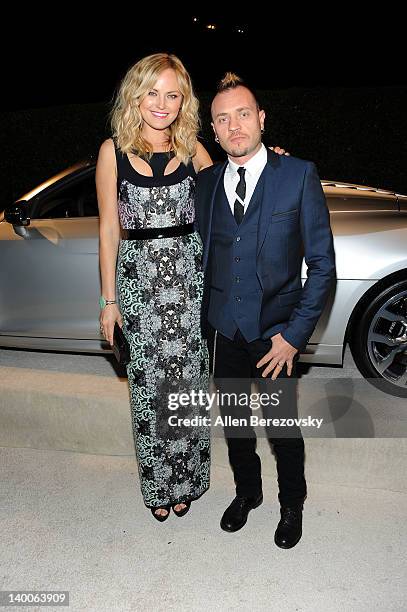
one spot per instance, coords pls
(49, 274)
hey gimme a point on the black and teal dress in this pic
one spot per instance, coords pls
(159, 290)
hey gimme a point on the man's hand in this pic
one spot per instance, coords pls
(279, 151)
(281, 353)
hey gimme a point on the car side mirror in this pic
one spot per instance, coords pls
(17, 214)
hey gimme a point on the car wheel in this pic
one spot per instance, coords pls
(379, 340)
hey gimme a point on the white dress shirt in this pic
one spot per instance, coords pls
(254, 167)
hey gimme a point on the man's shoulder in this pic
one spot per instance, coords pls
(211, 169)
(207, 173)
(290, 162)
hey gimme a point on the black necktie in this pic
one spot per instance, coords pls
(238, 209)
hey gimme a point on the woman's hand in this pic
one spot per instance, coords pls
(279, 151)
(108, 317)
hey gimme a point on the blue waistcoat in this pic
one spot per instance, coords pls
(235, 293)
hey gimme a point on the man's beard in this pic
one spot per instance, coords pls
(238, 152)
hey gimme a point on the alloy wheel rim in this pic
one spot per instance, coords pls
(387, 340)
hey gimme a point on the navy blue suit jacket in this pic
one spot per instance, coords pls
(294, 223)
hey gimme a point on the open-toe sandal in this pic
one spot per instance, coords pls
(161, 517)
(184, 510)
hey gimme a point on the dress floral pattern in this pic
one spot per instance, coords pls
(159, 288)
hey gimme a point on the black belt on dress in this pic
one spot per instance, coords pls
(158, 232)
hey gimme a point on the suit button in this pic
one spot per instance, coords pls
(238, 298)
(237, 259)
(237, 279)
(237, 238)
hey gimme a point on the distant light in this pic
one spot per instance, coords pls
(240, 31)
(195, 19)
(211, 27)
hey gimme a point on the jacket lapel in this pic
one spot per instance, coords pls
(212, 188)
(268, 202)
(267, 205)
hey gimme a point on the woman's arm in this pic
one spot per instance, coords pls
(109, 230)
(202, 159)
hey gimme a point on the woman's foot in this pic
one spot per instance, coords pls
(181, 509)
(162, 513)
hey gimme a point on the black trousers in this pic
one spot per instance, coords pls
(235, 367)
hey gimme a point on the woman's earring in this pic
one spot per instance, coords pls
(262, 130)
(216, 139)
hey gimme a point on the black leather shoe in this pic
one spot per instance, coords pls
(235, 516)
(289, 529)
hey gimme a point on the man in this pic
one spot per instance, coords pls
(259, 214)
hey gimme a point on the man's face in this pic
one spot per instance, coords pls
(237, 122)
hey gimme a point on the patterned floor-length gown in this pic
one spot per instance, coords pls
(159, 288)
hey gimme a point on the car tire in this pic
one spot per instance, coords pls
(378, 339)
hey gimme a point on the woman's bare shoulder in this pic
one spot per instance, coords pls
(107, 147)
(201, 159)
(106, 162)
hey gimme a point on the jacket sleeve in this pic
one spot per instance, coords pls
(199, 187)
(320, 259)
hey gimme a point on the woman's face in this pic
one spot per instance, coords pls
(160, 106)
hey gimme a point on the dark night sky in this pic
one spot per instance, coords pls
(69, 58)
(330, 76)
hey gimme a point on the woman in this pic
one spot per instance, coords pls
(145, 179)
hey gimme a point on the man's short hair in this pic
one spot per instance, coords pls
(231, 81)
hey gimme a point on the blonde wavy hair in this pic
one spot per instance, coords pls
(125, 117)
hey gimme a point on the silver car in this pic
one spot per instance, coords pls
(50, 281)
